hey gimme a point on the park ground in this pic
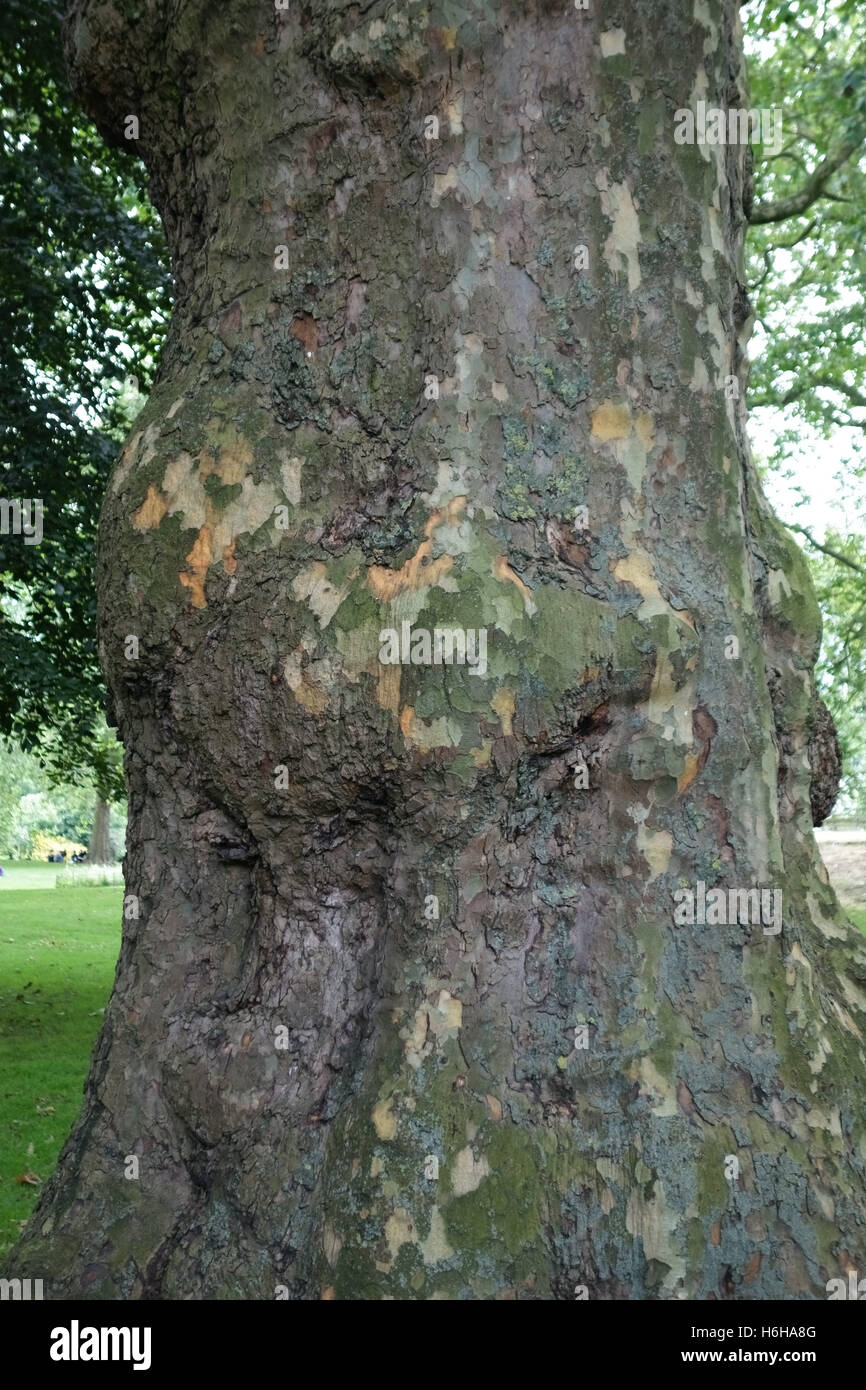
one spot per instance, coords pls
(58, 951)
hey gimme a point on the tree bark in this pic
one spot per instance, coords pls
(99, 848)
(403, 1008)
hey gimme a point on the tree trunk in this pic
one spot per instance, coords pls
(99, 849)
(408, 1005)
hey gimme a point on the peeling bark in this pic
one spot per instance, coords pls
(402, 1009)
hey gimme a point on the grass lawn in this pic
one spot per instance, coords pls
(58, 950)
(27, 873)
(857, 915)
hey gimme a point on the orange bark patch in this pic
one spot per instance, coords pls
(704, 729)
(151, 511)
(230, 563)
(611, 421)
(407, 720)
(421, 571)
(505, 574)
(198, 560)
(418, 573)
(388, 691)
(689, 773)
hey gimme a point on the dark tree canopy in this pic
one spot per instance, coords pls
(82, 274)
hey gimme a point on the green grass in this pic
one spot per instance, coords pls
(27, 873)
(857, 915)
(58, 951)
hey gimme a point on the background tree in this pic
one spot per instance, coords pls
(403, 1008)
(807, 276)
(85, 291)
(840, 575)
(808, 244)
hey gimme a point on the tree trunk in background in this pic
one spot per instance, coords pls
(402, 1009)
(99, 849)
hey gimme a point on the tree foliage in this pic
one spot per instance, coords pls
(83, 278)
(808, 240)
(807, 269)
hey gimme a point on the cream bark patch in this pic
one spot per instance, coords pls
(399, 1231)
(670, 705)
(324, 598)
(656, 847)
(503, 705)
(129, 458)
(435, 1248)
(636, 569)
(290, 472)
(621, 247)
(468, 1172)
(652, 1221)
(384, 1119)
(612, 42)
(183, 493)
(310, 684)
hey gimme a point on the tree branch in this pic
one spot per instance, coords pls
(813, 189)
(825, 549)
(856, 398)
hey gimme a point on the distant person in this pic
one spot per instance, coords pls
(2, 871)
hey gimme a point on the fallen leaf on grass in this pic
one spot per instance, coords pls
(28, 1179)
